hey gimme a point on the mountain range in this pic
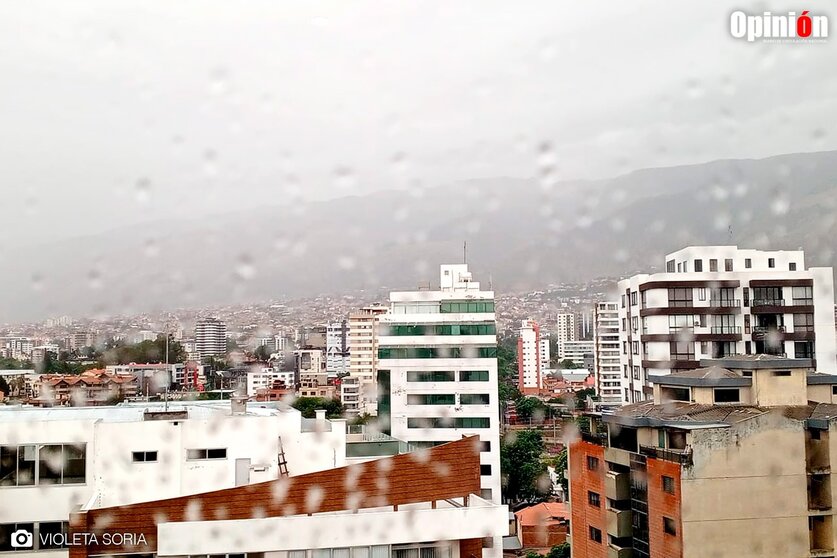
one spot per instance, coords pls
(520, 233)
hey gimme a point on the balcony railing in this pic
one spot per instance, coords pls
(725, 302)
(726, 330)
(594, 438)
(684, 457)
(760, 332)
(767, 302)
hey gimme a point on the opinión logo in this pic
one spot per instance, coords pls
(779, 28)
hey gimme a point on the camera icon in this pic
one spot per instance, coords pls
(21, 539)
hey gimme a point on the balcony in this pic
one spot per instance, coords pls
(617, 485)
(761, 332)
(817, 458)
(726, 330)
(725, 303)
(767, 302)
(683, 457)
(619, 523)
(819, 492)
(614, 551)
(594, 438)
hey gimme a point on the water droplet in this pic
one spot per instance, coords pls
(219, 81)
(780, 205)
(245, 269)
(346, 262)
(142, 189)
(344, 179)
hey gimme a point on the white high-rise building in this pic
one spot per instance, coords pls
(607, 367)
(532, 356)
(564, 331)
(437, 369)
(363, 355)
(210, 337)
(337, 348)
(717, 301)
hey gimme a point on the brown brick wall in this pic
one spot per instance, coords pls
(450, 470)
(662, 504)
(583, 514)
(542, 536)
(470, 548)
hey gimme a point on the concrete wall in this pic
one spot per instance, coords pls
(746, 494)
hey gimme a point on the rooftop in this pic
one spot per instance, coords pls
(134, 412)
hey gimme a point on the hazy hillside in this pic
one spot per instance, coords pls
(519, 233)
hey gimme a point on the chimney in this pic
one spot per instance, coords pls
(238, 404)
(320, 415)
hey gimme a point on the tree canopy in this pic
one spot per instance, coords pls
(524, 474)
(307, 406)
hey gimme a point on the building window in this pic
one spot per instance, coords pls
(698, 266)
(669, 526)
(771, 262)
(445, 422)
(803, 349)
(748, 263)
(802, 296)
(682, 350)
(486, 494)
(713, 265)
(437, 352)
(728, 264)
(681, 322)
(633, 298)
(680, 297)
(485, 470)
(726, 395)
(792, 266)
(635, 323)
(624, 324)
(782, 373)
(748, 348)
(467, 307)
(624, 347)
(670, 266)
(594, 499)
(431, 376)
(473, 375)
(56, 464)
(595, 534)
(46, 535)
(210, 453)
(144, 456)
(679, 267)
(636, 347)
(474, 399)
(431, 399)
(623, 301)
(803, 322)
(592, 463)
(668, 484)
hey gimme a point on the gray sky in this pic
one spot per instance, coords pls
(122, 113)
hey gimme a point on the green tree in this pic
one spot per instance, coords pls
(567, 363)
(524, 473)
(581, 397)
(307, 406)
(363, 418)
(262, 353)
(531, 408)
(560, 464)
(559, 551)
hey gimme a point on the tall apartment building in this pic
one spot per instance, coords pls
(363, 355)
(532, 356)
(716, 301)
(732, 459)
(309, 366)
(565, 330)
(224, 479)
(210, 337)
(337, 348)
(607, 367)
(437, 371)
(580, 352)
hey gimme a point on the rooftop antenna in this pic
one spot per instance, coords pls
(465, 252)
(730, 233)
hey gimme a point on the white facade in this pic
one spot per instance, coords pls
(437, 369)
(607, 366)
(264, 378)
(576, 351)
(210, 337)
(120, 455)
(363, 353)
(715, 301)
(530, 353)
(564, 331)
(337, 348)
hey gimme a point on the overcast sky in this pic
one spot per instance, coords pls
(120, 113)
